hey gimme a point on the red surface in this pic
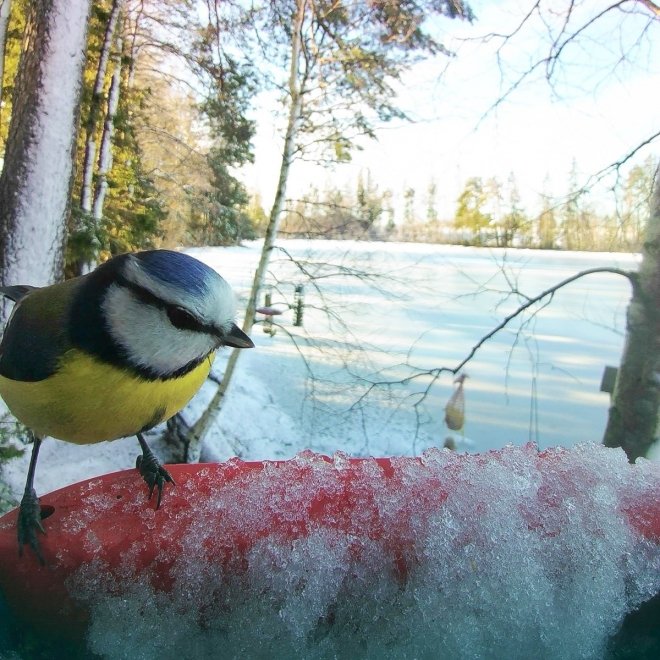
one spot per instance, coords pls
(106, 518)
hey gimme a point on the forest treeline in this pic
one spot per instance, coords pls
(162, 128)
(487, 213)
(165, 131)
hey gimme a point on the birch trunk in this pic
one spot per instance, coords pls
(86, 196)
(105, 153)
(633, 418)
(196, 434)
(35, 185)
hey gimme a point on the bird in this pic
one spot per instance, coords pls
(111, 354)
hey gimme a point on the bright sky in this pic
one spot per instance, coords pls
(595, 114)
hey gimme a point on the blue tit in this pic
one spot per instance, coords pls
(112, 354)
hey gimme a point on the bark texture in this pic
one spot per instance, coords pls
(5, 11)
(86, 195)
(633, 418)
(35, 185)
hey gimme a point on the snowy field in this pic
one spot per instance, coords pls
(424, 308)
(414, 308)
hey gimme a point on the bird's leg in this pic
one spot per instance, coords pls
(151, 470)
(29, 514)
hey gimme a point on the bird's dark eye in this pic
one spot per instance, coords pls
(182, 319)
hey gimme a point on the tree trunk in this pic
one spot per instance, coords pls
(35, 185)
(95, 109)
(633, 417)
(195, 435)
(5, 11)
(105, 153)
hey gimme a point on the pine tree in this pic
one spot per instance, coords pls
(470, 213)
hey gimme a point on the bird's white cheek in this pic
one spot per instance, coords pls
(149, 338)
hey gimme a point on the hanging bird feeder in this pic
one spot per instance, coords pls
(269, 312)
(298, 305)
(455, 408)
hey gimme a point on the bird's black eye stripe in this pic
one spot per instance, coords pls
(179, 317)
(182, 319)
(142, 293)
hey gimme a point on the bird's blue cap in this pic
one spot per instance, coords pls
(178, 269)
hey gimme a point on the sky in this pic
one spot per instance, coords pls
(597, 109)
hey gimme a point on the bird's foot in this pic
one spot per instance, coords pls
(29, 522)
(154, 474)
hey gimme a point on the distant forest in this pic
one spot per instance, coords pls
(487, 213)
(165, 130)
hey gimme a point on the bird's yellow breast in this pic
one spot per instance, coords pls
(87, 400)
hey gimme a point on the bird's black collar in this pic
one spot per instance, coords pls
(89, 329)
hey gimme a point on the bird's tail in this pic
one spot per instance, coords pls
(16, 292)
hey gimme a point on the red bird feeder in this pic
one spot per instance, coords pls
(270, 530)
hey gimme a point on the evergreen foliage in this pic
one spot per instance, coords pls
(12, 56)
(218, 214)
(470, 213)
(133, 208)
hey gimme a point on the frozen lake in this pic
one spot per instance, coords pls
(422, 307)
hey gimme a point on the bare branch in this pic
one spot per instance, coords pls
(550, 291)
(432, 375)
(652, 6)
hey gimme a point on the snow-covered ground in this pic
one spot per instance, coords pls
(415, 307)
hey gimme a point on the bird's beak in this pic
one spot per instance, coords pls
(237, 338)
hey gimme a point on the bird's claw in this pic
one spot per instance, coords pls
(153, 473)
(29, 522)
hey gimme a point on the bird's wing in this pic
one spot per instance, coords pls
(36, 334)
(16, 292)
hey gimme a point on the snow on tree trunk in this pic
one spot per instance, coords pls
(633, 417)
(196, 434)
(36, 181)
